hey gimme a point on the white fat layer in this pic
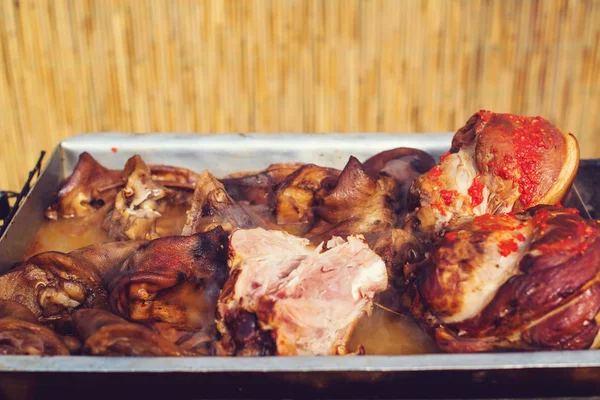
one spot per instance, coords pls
(491, 271)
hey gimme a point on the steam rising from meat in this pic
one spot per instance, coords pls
(528, 281)
(498, 163)
(20, 333)
(105, 334)
(288, 298)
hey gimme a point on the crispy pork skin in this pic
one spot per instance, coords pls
(137, 205)
(525, 281)
(286, 297)
(498, 163)
(105, 334)
(88, 188)
(258, 188)
(22, 334)
(174, 280)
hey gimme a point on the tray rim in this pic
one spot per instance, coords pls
(395, 363)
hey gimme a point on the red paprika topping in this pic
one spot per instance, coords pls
(435, 172)
(476, 192)
(521, 237)
(448, 196)
(507, 247)
(528, 139)
(450, 235)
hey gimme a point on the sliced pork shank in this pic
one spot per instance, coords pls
(287, 297)
(526, 281)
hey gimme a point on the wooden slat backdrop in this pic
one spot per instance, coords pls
(70, 66)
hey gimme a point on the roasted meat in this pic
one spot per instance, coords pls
(92, 185)
(21, 333)
(212, 206)
(105, 334)
(498, 163)
(295, 197)
(258, 188)
(287, 297)
(526, 281)
(88, 188)
(356, 204)
(403, 165)
(52, 285)
(174, 280)
(137, 205)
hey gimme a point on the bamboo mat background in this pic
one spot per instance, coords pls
(69, 66)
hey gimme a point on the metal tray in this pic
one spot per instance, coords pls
(222, 154)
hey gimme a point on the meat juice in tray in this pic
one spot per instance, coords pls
(395, 255)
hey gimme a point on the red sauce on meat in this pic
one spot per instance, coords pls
(529, 139)
(450, 235)
(496, 222)
(521, 237)
(448, 196)
(435, 172)
(476, 192)
(507, 247)
(436, 205)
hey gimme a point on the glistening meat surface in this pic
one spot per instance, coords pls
(498, 163)
(525, 281)
(287, 297)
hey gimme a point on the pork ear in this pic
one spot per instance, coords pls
(412, 162)
(212, 206)
(85, 190)
(353, 189)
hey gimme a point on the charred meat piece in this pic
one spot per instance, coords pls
(403, 165)
(356, 204)
(294, 198)
(287, 297)
(174, 280)
(52, 285)
(258, 188)
(22, 334)
(105, 334)
(137, 206)
(528, 281)
(88, 188)
(212, 206)
(498, 163)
